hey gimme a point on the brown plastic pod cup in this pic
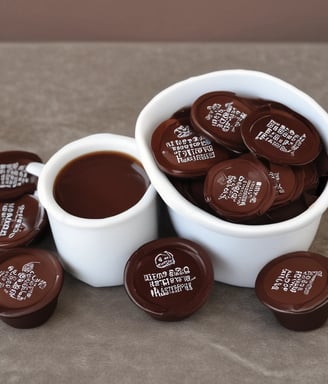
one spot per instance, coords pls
(311, 177)
(14, 179)
(288, 181)
(322, 164)
(239, 189)
(181, 152)
(287, 186)
(192, 190)
(30, 283)
(220, 116)
(169, 278)
(295, 288)
(21, 221)
(281, 136)
(288, 211)
(182, 113)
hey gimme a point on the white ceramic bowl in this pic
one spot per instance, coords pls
(238, 251)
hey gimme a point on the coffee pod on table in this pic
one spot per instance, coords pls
(295, 288)
(14, 179)
(220, 116)
(281, 136)
(30, 283)
(169, 278)
(239, 189)
(21, 221)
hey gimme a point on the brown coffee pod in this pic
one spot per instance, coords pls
(192, 190)
(311, 177)
(180, 151)
(30, 283)
(289, 183)
(295, 288)
(182, 113)
(322, 164)
(14, 179)
(239, 189)
(281, 136)
(220, 115)
(309, 198)
(21, 221)
(287, 211)
(170, 278)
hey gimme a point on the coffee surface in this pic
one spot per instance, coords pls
(100, 184)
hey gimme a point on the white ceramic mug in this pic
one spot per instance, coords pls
(95, 251)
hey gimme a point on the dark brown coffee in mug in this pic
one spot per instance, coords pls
(100, 184)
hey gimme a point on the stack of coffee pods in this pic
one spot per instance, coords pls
(245, 160)
(22, 216)
(30, 278)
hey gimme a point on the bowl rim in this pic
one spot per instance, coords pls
(181, 205)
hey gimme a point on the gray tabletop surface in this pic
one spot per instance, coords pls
(51, 94)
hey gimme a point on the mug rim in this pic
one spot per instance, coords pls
(181, 205)
(73, 150)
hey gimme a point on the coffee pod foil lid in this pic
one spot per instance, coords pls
(30, 282)
(220, 116)
(295, 287)
(21, 221)
(281, 136)
(288, 182)
(14, 179)
(180, 151)
(239, 189)
(169, 278)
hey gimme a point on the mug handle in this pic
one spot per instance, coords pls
(34, 168)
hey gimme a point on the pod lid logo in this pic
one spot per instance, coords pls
(164, 259)
(183, 131)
